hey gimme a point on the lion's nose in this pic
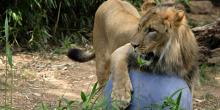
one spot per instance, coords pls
(135, 45)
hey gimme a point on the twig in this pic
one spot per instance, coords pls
(6, 80)
(58, 17)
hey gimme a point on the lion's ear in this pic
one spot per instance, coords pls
(180, 17)
(147, 5)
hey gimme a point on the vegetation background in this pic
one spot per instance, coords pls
(42, 24)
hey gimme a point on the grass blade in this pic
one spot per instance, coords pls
(93, 91)
(8, 50)
(83, 97)
(176, 92)
(178, 100)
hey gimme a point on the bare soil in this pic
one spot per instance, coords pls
(47, 78)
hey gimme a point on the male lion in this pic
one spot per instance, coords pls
(166, 44)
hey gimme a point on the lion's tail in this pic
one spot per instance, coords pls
(80, 55)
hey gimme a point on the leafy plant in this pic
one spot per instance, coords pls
(86, 99)
(203, 77)
(141, 62)
(89, 102)
(8, 70)
(169, 102)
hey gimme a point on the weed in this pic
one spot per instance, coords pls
(169, 102)
(141, 62)
(203, 77)
(9, 70)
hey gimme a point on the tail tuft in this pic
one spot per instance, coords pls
(80, 55)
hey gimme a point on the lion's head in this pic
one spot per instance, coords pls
(164, 33)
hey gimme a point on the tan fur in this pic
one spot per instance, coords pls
(163, 31)
(115, 24)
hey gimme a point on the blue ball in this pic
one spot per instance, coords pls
(151, 89)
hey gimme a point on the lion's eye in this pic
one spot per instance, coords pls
(152, 30)
(148, 30)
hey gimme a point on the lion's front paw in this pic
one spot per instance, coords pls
(121, 97)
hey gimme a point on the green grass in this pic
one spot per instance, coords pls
(203, 78)
(169, 102)
(89, 101)
(93, 101)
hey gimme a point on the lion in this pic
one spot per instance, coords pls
(165, 42)
(115, 24)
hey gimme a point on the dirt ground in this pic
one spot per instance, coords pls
(48, 77)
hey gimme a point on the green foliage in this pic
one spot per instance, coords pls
(183, 1)
(141, 62)
(203, 77)
(136, 3)
(169, 102)
(66, 43)
(6, 107)
(36, 24)
(89, 102)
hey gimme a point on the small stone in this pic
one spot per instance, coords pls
(37, 94)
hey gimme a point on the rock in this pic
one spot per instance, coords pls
(208, 38)
(200, 7)
(214, 60)
(215, 56)
(215, 52)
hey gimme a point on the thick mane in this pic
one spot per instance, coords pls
(166, 43)
(180, 52)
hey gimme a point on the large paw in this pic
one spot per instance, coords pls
(121, 97)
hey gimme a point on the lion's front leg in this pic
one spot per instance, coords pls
(121, 90)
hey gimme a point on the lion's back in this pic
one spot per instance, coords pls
(115, 22)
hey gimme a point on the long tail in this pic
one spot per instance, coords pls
(80, 55)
